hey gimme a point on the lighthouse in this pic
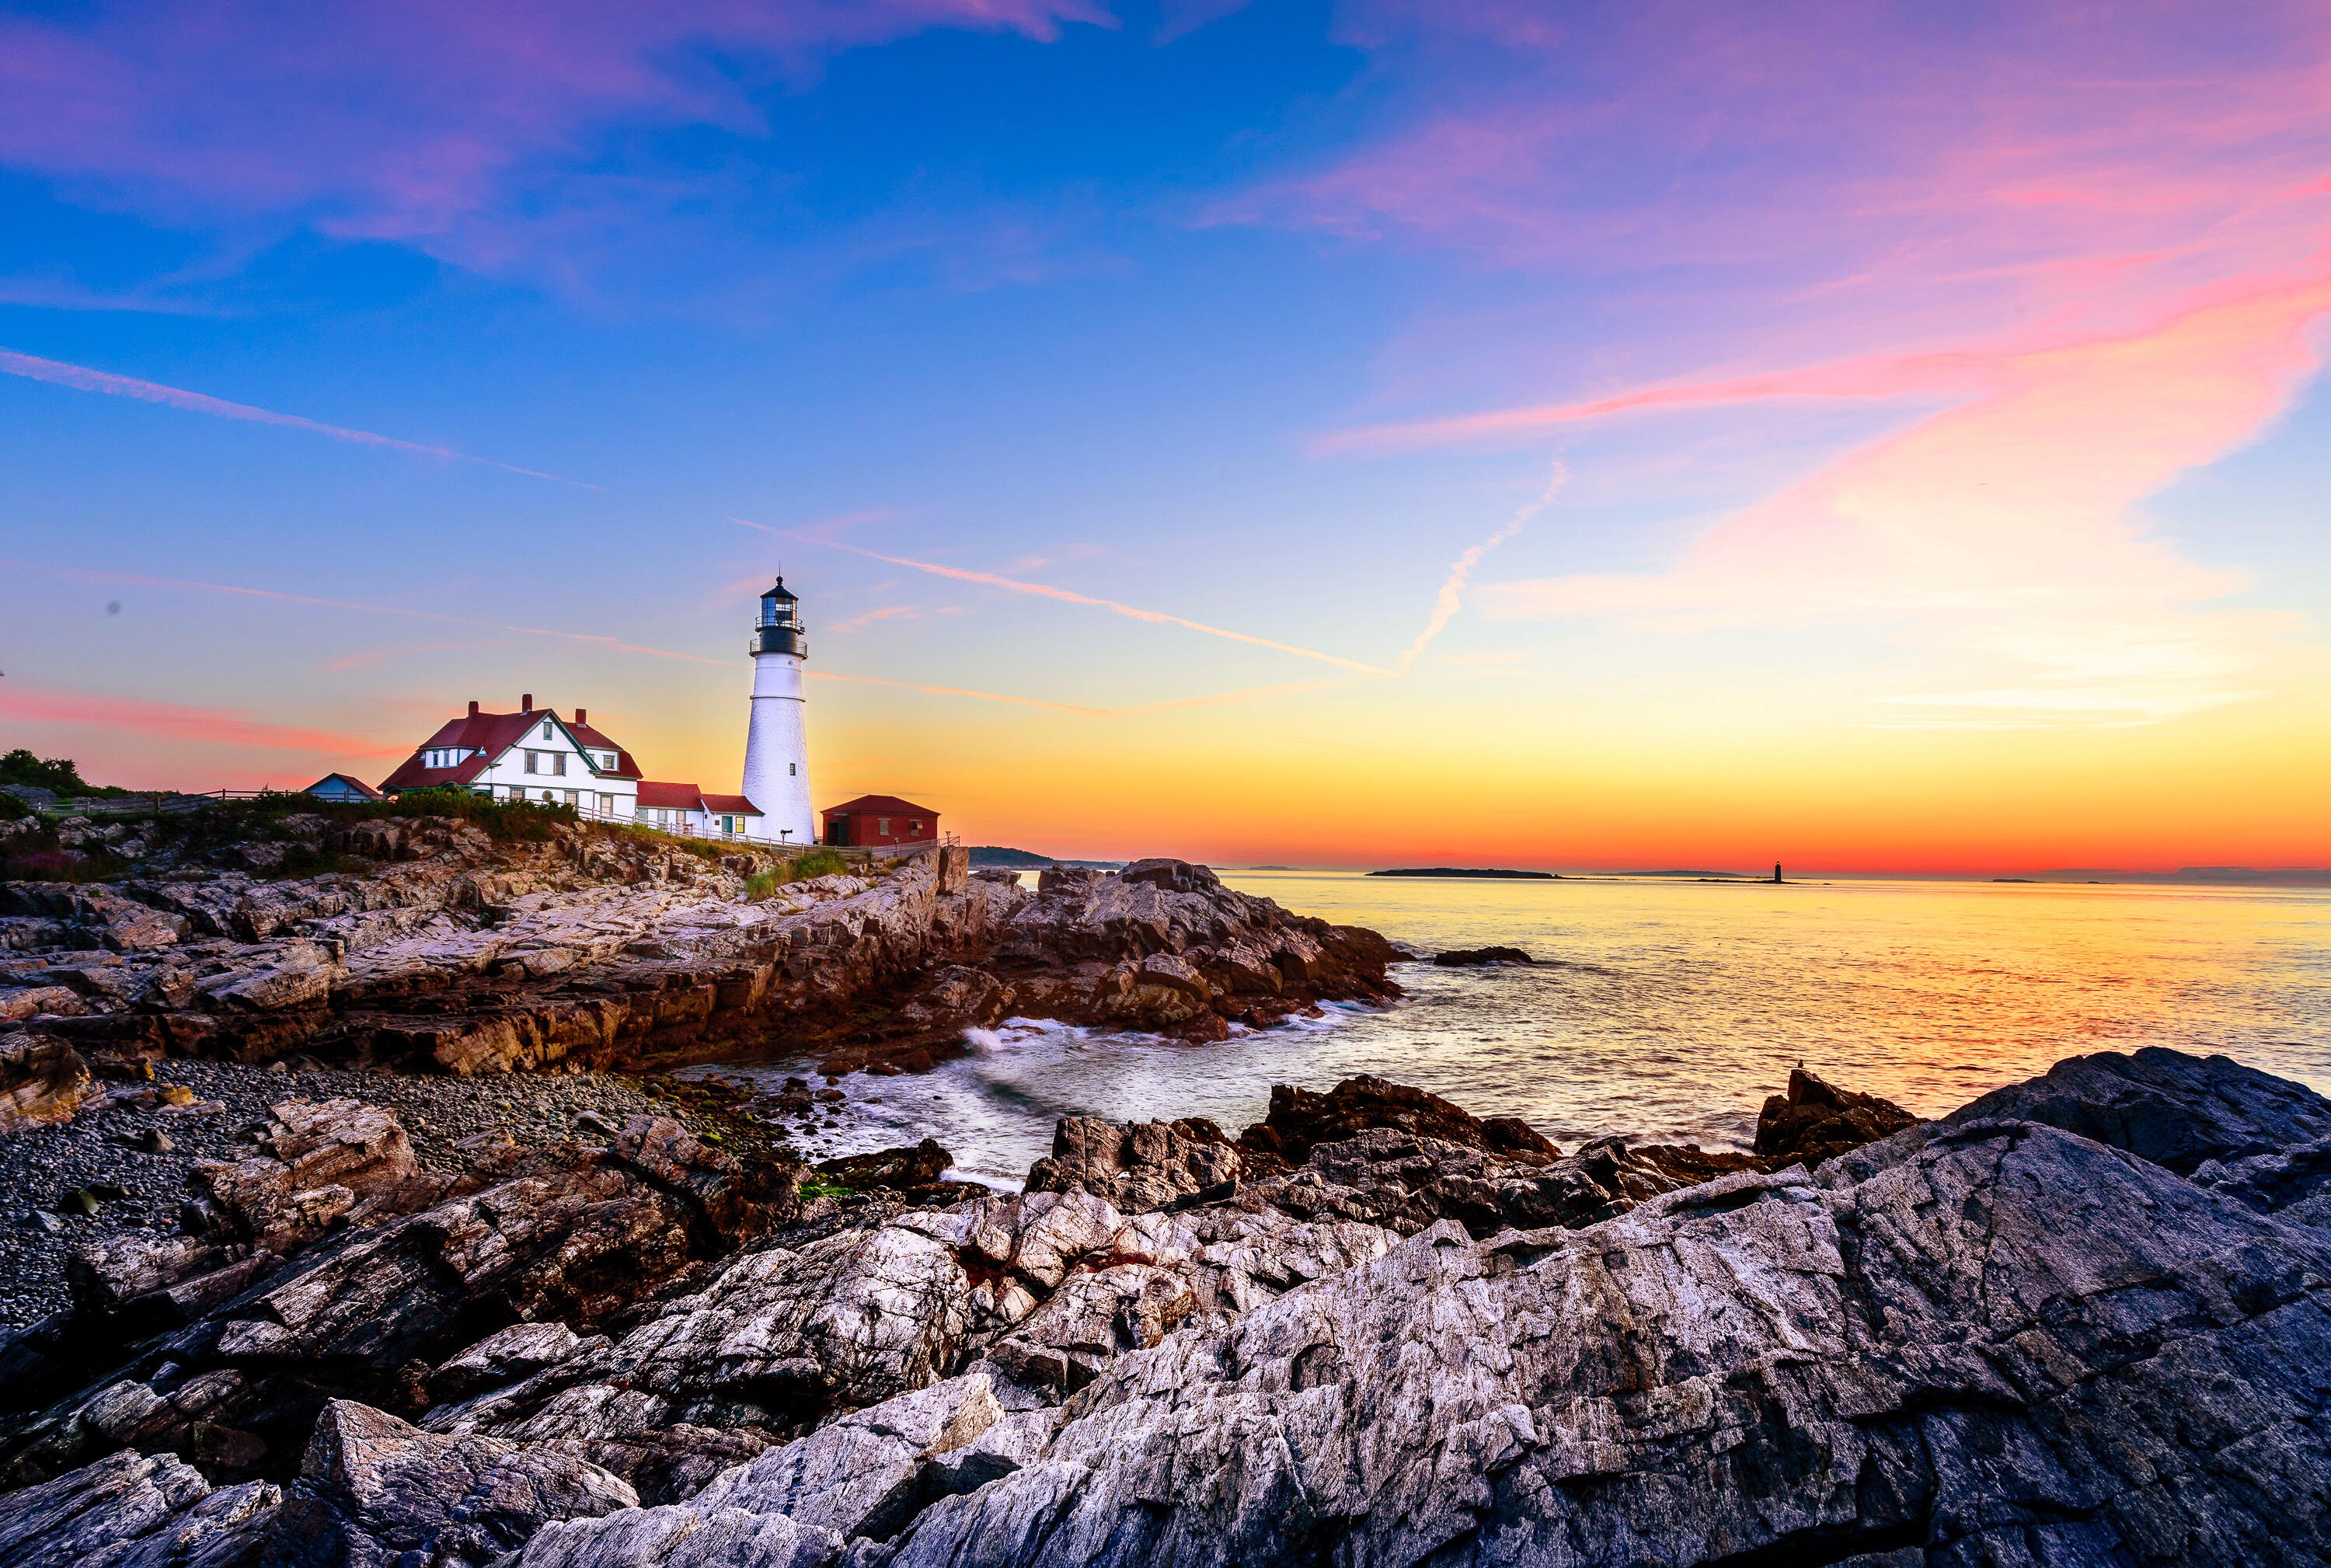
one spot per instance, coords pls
(777, 745)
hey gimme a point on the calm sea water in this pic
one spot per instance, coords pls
(1668, 1010)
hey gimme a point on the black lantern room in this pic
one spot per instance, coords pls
(780, 630)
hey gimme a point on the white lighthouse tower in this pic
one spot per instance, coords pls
(777, 746)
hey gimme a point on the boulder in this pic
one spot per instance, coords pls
(132, 1510)
(1136, 1165)
(325, 1156)
(902, 1169)
(1474, 958)
(1300, 1119)
(1174, 876)
(1815, 1120)
(377, 1493)
(42, 1080)
(2163, 1106)
(506, 1357)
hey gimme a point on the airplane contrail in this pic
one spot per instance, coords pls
(80, 377)
(1453, 589)
(1040, 590)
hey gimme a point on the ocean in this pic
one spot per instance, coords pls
(1668, 1009)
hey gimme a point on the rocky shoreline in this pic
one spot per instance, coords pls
(355, 1226)
(433, 945)
(2086, 1319)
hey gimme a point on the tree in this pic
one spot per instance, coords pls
(58, 774)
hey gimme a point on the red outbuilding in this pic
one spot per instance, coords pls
(876, 822)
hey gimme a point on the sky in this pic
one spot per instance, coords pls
(1872, 437)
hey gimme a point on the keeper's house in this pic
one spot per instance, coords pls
(874, 821)
(535, 756)
(532, 754)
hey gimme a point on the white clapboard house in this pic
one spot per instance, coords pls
(536, 755)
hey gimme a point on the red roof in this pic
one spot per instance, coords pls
(624, 766)
(685, 797)
(485, 736)
(885, 806)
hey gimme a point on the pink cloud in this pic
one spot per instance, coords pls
(2005, 530)
(171, 721)
(404, 119)
(869, 617)
(1816, 182)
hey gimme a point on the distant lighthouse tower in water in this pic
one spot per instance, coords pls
(777, 746)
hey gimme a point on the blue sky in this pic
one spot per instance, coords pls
(1652, 345)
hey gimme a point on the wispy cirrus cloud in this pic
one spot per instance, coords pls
(2077, 254)
(2012, 519)
(408, 120)
(375, 658)
(80, 377)
(591, 639)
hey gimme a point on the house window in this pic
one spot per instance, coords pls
(881, 824)
(533, 761)
(558, 761)
(607, 804)
(546, 729)
(791, 769)
(573, 798)
(607, 759)
(915, 825)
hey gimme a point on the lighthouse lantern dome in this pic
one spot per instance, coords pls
(777, 605)
(780, 629)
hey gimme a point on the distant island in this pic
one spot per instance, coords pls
(1467, 871)
(998, 855)
(1702, 875)
(1274, 868)
(2206, 876)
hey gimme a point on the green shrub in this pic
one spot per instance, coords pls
(817, 863)
(760, 884)
(523, 822)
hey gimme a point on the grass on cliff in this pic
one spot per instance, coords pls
(816, 863)
(36, 855)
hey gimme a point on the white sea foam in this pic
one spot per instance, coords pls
(1667, 1012)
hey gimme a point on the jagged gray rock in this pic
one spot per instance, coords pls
(134, 1510)
(2174, 1109)
(1981, 1341)
(1994, 1343)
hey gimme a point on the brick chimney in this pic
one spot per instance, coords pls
(525, 703)
(473, 707)
(580, 716)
